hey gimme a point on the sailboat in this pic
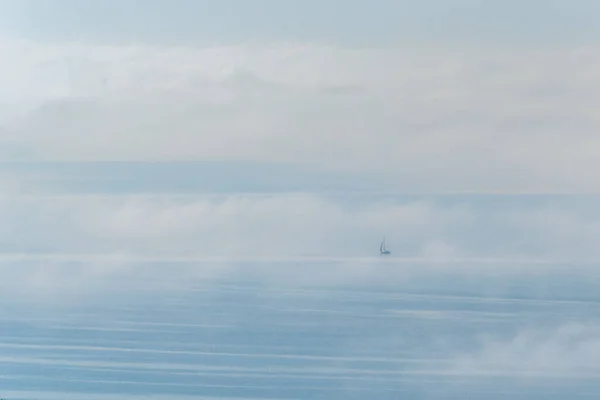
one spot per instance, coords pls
(382, 249)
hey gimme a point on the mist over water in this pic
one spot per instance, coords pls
(117, 291)
(193, 195)
(299, 329)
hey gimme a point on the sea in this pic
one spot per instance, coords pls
(495, 308)
(407, 329)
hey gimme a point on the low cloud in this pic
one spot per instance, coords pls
(429, 119)
(286, 224)
(570, 350)
(300, 225)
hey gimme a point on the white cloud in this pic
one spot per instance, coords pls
(55, 245)
(570, 350)
(297, 224)
(434, 120)
(231, 225)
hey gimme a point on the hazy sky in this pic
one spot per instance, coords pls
(436, 96)
(295, 98)
(352, 22)
(136, 131)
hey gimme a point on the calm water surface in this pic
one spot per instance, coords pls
(345, 329)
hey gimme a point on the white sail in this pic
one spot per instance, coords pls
(382, 249)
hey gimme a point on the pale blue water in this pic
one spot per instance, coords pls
(341, 329)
